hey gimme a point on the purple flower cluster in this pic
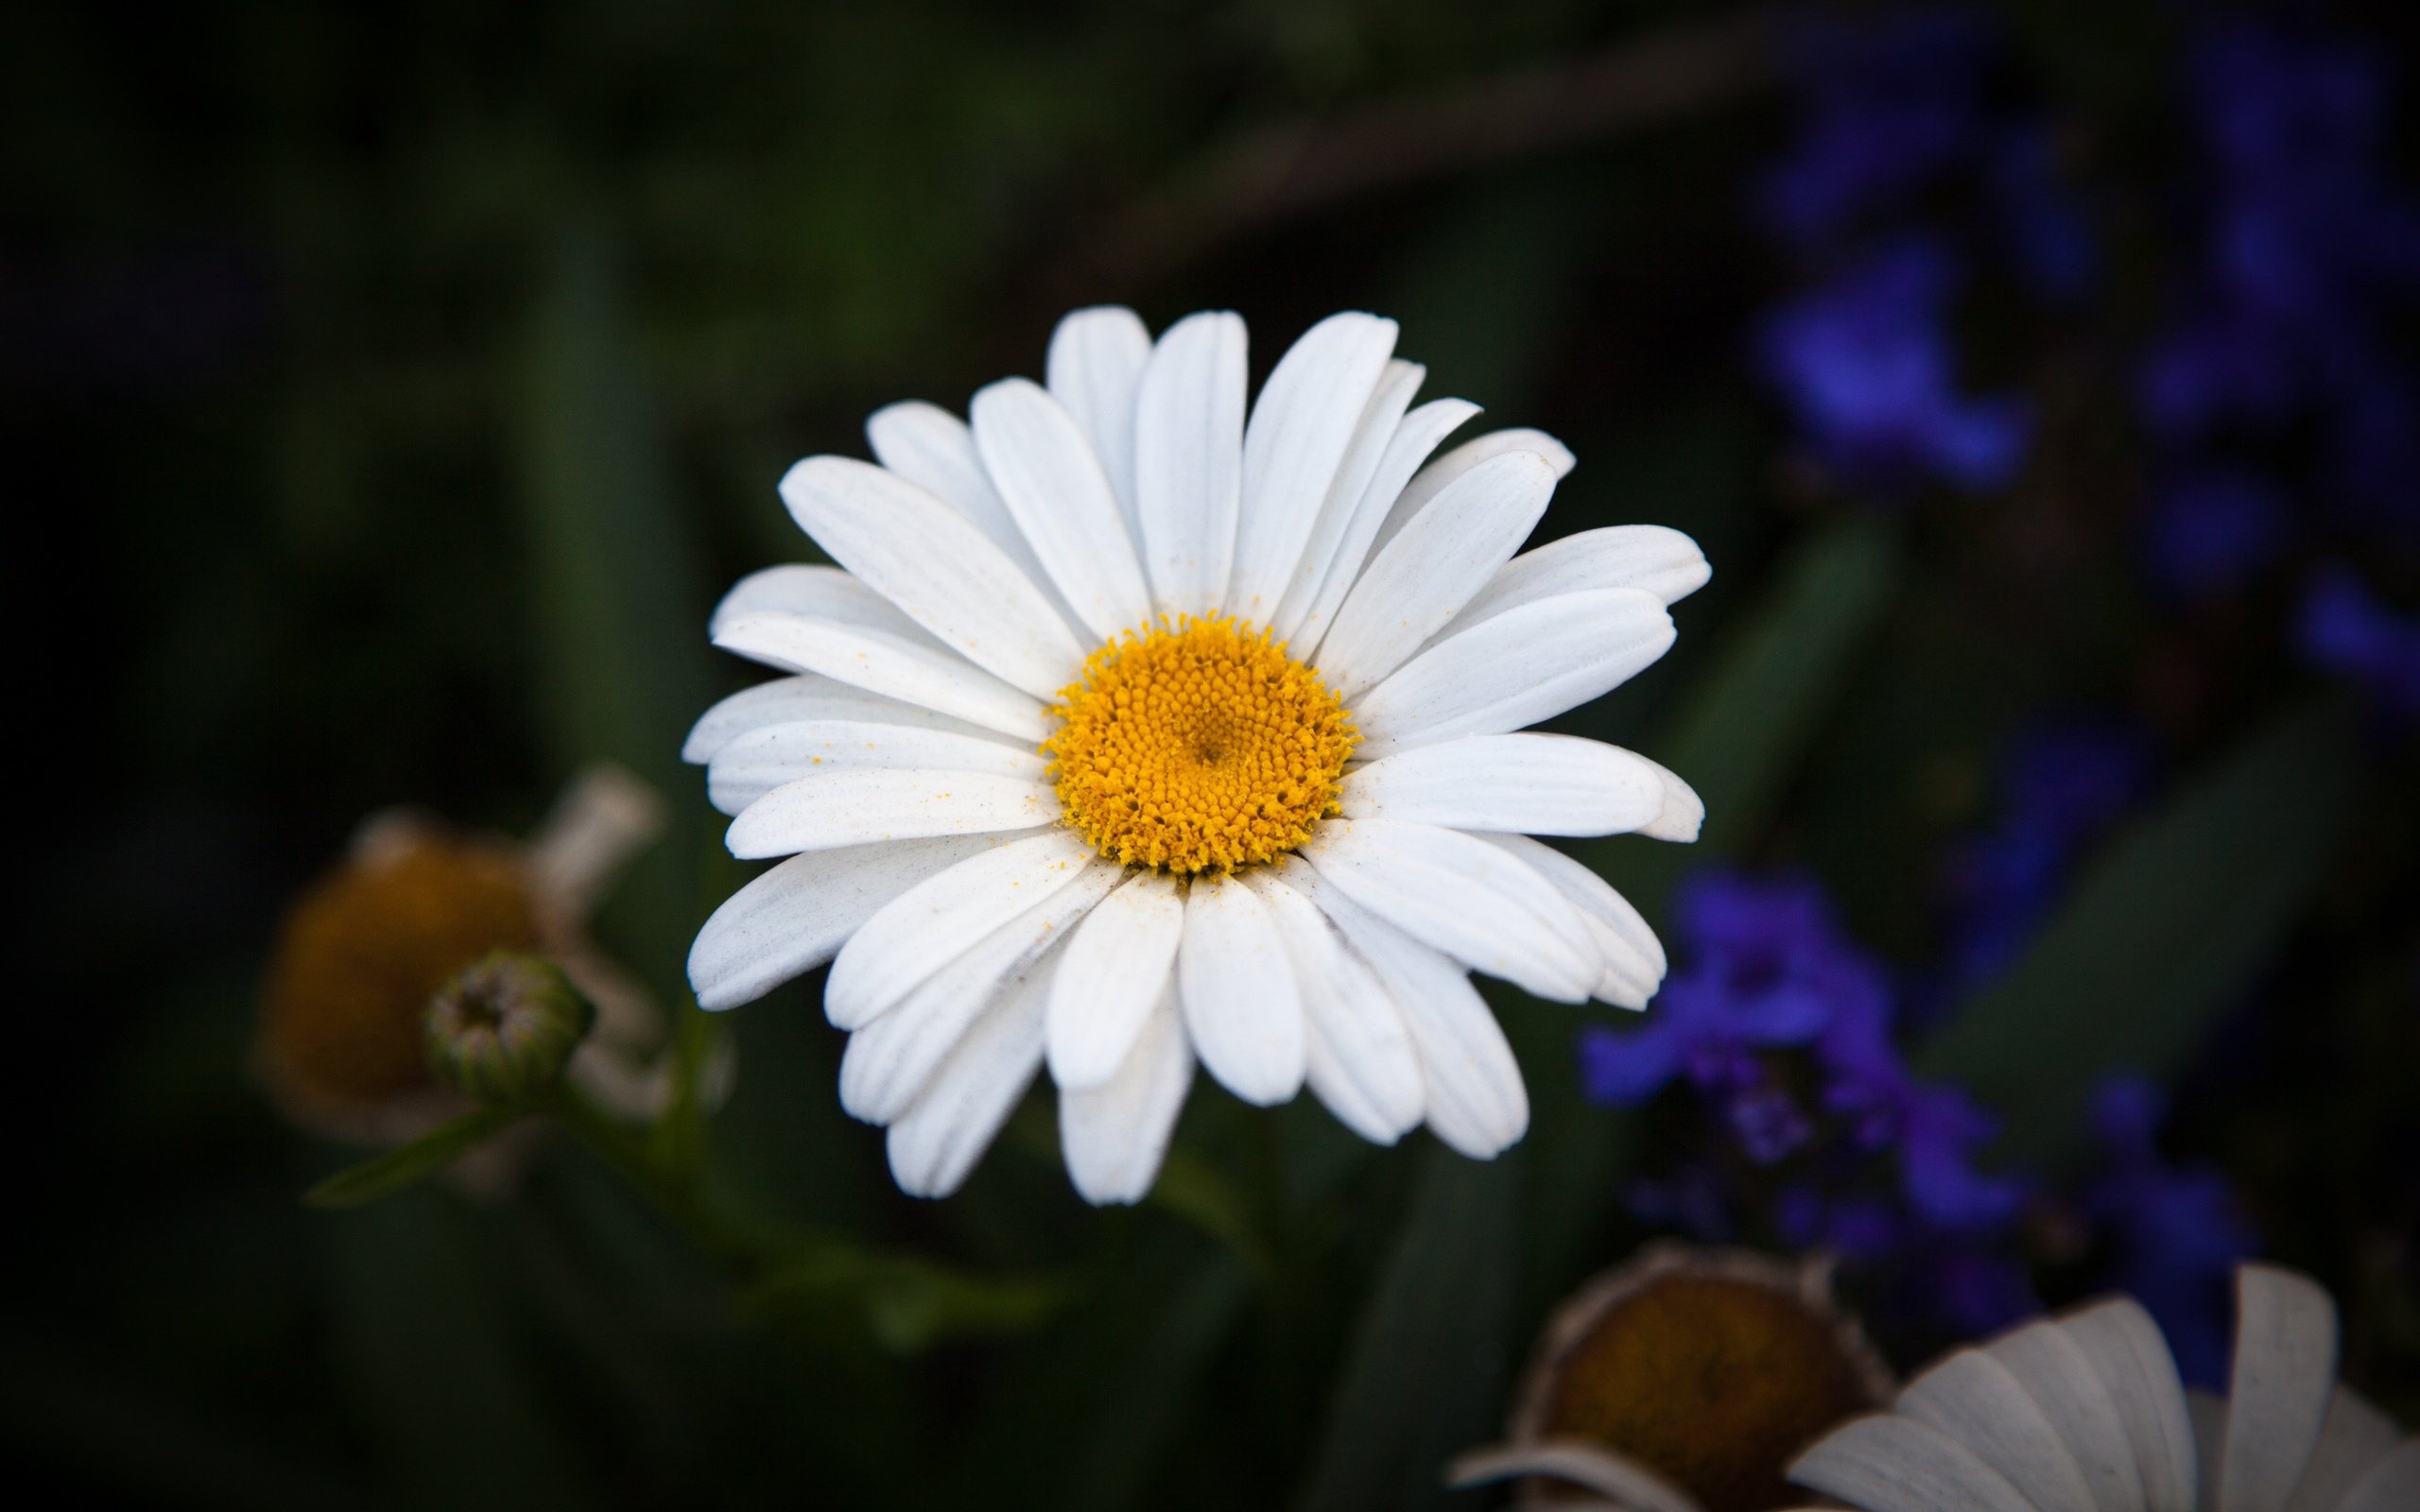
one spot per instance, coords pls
(2285, 415)
(1782, 1025)
(1864, 358)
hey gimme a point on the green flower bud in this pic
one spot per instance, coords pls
(501, 1031)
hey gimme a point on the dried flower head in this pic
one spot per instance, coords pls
(1687, 1379)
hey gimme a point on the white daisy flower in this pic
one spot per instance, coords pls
(1133, 731)
(2084, 1412)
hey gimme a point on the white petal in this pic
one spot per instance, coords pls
(754, 763)
(893, 667)
(1357, 1054)
(1121, 962)
(890, 1060)
(1406, 449)
(1466, 898)
(794, 918)
(947, 574)
(1973, 1399)
(1651, 558)
(2059, 1377)
(2278, 1390)
(1116, 1134)
(1635, 961)
(1241, 1006)
(2355, 1437)
(1300, 427)
(1439, 475)
(1421, 578)
(2392, 1485)
(935, 450)
(812, 695)
(1887, 1462)
(2129, 1354)
(1094, 367)
(926, 927)
(1471, 1085)
(1524, 665)
(1188, 460)
(1371, 435)
(1525, 784)
(1045, 470)
(935, 1144)
(834, 809)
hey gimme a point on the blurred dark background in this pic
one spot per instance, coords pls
(391, 390)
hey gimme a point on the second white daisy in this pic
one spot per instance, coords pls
(1133, 731)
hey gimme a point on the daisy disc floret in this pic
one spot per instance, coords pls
(1138, 726)
(1198, 747)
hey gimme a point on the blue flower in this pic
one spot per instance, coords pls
(1867, 366)
(1886, 107)
(2175, 1230)
(2347, 630)
(1768, 971)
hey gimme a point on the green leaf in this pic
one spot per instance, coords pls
(2159, 937)
(1425, 1376)
(407, 1164)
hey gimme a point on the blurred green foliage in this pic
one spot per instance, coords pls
(413, 378)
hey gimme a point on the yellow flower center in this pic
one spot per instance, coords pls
(1199, 746)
